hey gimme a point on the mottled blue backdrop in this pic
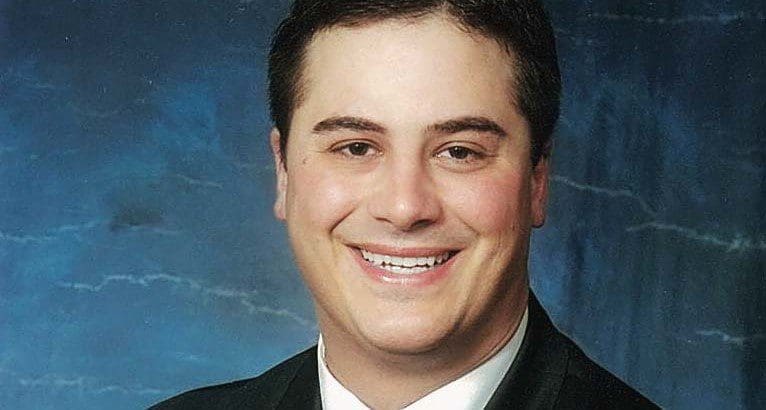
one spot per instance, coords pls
(139, 256)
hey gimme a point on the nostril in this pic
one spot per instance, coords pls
(420, 224)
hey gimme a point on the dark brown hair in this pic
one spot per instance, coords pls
(522, 26)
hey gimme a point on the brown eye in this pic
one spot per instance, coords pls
(358, 149)
(459, 152)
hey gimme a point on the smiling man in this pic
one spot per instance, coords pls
(412, 148)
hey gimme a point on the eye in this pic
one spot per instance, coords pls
(459, 153)
(357, 149)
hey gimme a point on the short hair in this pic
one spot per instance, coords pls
(521, 26)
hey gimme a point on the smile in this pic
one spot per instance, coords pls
(406, 265)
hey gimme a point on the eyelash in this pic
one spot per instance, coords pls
(472, 155)
(345, 149)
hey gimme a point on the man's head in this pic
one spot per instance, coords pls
(412, 184)
(521, 26)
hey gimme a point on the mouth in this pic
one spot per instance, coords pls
(407, 265)
(410, 267)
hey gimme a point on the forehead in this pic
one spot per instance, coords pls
(417, 65)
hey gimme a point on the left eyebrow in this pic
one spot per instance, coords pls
(348, 123)
(478, 124)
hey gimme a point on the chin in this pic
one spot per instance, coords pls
(407, 336)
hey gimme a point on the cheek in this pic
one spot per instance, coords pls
(491, 204)
(319, 197)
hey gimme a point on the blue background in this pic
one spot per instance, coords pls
(139, 256)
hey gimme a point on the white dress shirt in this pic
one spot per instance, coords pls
(471, 391)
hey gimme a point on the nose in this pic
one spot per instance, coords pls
(405, 196)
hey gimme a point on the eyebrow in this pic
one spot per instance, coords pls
(477, 124)
(348, 123)
(453, 126)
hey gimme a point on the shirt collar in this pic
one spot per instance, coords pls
(471, 391)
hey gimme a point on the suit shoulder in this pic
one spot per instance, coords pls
(587, 383)
(264, 390)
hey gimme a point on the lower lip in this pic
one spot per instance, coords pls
(426, 278)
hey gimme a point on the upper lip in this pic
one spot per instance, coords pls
(405, 252)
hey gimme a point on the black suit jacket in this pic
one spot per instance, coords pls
(550, 372)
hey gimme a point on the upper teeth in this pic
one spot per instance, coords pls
(429, 261)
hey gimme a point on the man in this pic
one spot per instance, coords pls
(412, 144)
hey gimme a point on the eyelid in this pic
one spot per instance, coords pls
(339, 147)
(476, 151)
(347, 142)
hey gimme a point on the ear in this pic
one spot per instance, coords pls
(540, 174)
(279, 167)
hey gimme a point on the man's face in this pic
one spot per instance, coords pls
(409, 195)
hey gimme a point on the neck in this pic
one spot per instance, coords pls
(391, 380)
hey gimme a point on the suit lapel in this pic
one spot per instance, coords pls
(303, 390)
(537, 374)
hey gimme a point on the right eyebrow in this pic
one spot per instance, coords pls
(348, 123)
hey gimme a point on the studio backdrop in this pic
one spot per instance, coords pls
(139, 256)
